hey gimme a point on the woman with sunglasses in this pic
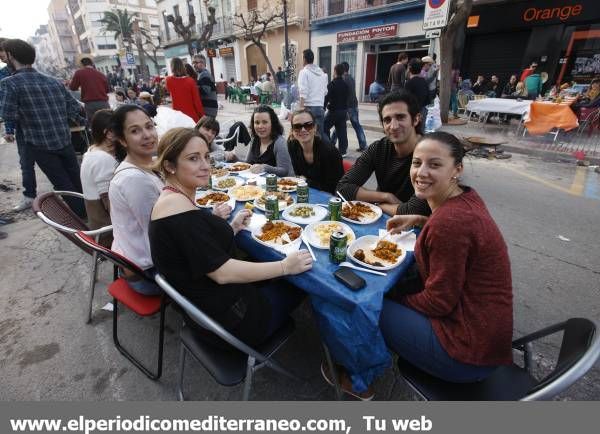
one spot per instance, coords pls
(319, 162)
(268, 151)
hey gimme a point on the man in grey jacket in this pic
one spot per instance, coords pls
(206, 86)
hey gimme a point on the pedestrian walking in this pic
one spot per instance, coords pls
(352, 110)
(206, 86)
(312, 87)
(429, 71)
(93, 85)
(184, 93)
(397, 76)
(336, 102)
(41, 108)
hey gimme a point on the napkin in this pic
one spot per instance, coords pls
(405, 240)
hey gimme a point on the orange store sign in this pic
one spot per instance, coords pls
(368, 33)
(562, 13)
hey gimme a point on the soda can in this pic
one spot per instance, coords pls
(302, 192)
(337, 247)
(271, 182)
(272, 207)
(335, 208)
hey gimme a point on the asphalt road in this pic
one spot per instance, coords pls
(47, 352)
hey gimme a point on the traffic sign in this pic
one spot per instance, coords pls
(432, 34)
(130, 58)
(436, 14)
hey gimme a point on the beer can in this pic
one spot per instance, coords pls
(335, 208)
(272, 207)
(271, 182)
(302, 192)
(337, 247)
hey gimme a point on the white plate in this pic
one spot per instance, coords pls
(225, 173)
(258, 231)
(314, 239)
(237, 172)
(290, 188)
(320, 214)
(366, 243)
(234, 192)
(238, 182)
(378, 211)
(201, 194)
(282, 204)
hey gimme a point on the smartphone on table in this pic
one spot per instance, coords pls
(349, 278)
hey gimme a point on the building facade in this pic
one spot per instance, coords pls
(110, 54)
(61, 33)
(368, 34)
(223, 54)
(563, 36)
(252, 60)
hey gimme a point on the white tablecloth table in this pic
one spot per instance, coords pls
(499, 105)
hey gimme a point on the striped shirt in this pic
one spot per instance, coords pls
(41, 108)
(392, 174)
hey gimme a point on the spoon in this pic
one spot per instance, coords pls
(366, 270)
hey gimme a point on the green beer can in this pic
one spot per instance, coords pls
(272, 207)
(337, 247)
(302, 192)
(335, 209)
(271, 182)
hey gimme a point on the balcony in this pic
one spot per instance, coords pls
(330, 8)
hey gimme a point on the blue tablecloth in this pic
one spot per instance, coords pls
(348, 320)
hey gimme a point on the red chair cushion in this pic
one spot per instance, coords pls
(347, 165)
(143, 305)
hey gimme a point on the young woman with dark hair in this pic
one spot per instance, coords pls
(459, 327)
(319, 162)
(268, 150)
(97, 169)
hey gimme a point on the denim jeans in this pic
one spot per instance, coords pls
(62, 169)
(27, 171)
(454, 103)
(144, 287)
(337, 118)
(319, 115)
(358, 129)
(409, 334)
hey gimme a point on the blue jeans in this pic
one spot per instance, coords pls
(283, 298)
(454, 103)
(319, 115)
(143, 286)
(409, 334)
(62, 169)
(27, 164)
(358, 129)
(337, 118)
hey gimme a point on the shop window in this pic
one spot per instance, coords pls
(347, 53)
(325, 58)
(336, 7)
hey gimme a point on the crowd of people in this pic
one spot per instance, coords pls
(456, 326)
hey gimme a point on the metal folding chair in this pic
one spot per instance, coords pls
(142, 305)
(227, 367)
(52, 210)
(579, 351)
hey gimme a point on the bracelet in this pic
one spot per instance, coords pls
(282, 268)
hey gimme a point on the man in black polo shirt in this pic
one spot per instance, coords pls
(390, 158)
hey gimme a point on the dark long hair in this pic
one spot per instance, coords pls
(276, 127)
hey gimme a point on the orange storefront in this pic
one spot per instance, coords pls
(563, 36)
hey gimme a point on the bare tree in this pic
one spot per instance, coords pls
(459, 13)
(188, 31)
(255, 24)
(151, 51)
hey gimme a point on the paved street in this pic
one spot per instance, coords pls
(47, 352)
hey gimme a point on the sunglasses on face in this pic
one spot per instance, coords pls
(306, 125)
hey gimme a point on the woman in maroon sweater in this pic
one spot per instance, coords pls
(459, 327)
